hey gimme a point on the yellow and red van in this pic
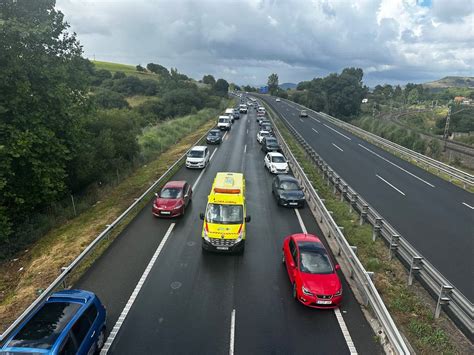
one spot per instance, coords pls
(225, 219)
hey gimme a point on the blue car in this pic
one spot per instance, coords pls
(69, 322)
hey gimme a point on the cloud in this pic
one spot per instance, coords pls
(244, 41)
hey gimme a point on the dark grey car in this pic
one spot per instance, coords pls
(270, 144)
(287, 191)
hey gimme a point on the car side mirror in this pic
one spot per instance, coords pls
(186, 195)
(201, 215)
(156, 194)
(338, 267)
(247, 219)
(292, 264)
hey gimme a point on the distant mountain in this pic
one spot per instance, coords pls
(286, 86)
(451, 82)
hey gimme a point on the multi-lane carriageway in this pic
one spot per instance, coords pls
(164, 296)
(435, 216)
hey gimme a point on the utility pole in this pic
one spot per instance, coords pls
(446, 128)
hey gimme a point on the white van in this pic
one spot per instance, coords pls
(223, 123)
(230, 112)
(198, 157)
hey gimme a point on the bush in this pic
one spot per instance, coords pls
(108, 99)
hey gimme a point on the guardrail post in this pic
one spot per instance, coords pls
(63, 268)
(363, 214)
(443, 298)
(353, 202)
(337, 181)
(377, 228)
(394, 245)
(414, 268)
(344, 191)
(329, 176)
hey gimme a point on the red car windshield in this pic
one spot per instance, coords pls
(315, 262)
(171, 192)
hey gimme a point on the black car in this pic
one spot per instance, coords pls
(287, 191)
(270, 144)
(214, 137)
(236, 114)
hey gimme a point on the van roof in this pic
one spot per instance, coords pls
(199, 147)
(228, 187)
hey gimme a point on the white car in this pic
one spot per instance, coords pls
(198, 157)
(243, 108)
(276, 163)
(262, 134)
(277, 100)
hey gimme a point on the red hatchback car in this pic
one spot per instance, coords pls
(172, 199)
(311, 271)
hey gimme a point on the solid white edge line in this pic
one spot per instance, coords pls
(337, 147)
(232, 333)
(135, 293)
(315, 130)
(398, 166)
(346, 137)
(300, 220)
(389, 184)
(467, 205)
(345, 331)
(337, 312)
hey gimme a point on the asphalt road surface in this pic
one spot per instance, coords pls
(435, 216)
(189, 302)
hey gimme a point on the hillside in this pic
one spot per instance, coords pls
(286, 86)
(450, 82)
(126, 68)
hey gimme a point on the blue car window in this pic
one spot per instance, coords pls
(42, 330)
(81, 328)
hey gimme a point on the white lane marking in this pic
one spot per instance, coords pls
(346, 137)
(465, 204)
(337, 312)
(134, 295)
(315, 130)
(202, 171)
(300, 220)
(301, 120)
(345, 331)
(389, 184)
(225, 134)
(245, 148)
(398, 166)
(212, 155)
(316, 119)
(337, 147)
(232, 333)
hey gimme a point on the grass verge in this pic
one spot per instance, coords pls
(411, 307)
(22, 278)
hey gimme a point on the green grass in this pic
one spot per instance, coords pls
(126, 68)
(409, 311)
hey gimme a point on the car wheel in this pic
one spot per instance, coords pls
(295, 293)
(100, 341)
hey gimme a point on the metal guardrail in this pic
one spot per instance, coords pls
(453, 302)
(340, 245)
(61, 279)
(465, 178)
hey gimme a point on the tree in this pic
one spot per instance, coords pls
(140, 68)
(41, 110)
(208, 79)
(119, 75)
(272, 83)
(158, 69)
(221, 87)
(413, 96)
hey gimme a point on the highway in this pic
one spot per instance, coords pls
(435, 216)
(164, 295)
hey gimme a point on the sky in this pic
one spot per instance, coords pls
(244, 41)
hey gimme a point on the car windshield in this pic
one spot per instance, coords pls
(271, 141)
(171, 192)
(278, 159)
(214, 133)
(224, 214)
(289, 186)
(225, 120)
(196, 154)
(315, 261)
(44, 327)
